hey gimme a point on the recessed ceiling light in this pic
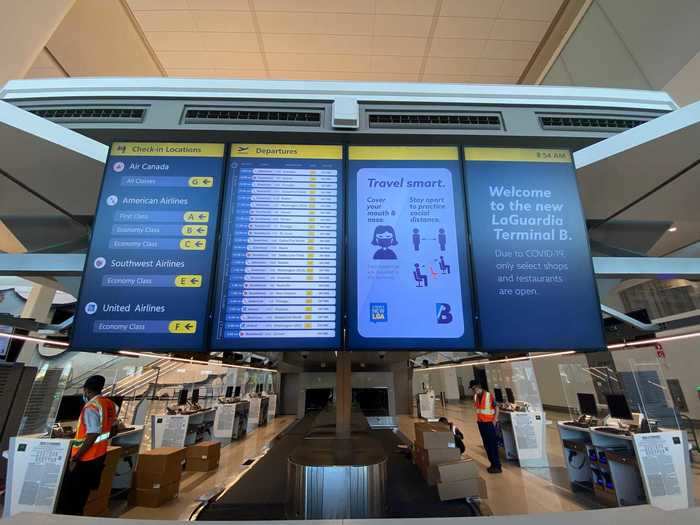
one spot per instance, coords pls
(673, 229)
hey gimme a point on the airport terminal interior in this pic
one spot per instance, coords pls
(279, 260)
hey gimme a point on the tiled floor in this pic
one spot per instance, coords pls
(519, 491)
(197, 484)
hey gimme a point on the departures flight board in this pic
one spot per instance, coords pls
(408, 270)
(146, 282)
(280, 254)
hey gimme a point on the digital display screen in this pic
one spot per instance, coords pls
(619, 409)
(510, 396)
(280, 257)
(408, 265)
(530, 254)
(147, 273)
(587, 404)
(498, 395)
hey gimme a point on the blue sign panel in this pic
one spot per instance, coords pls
(408, 269)
(280, 263)
(147, 275)
(532, 265)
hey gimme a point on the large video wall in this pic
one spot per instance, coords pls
(243, 246)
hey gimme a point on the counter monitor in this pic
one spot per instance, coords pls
(587, 404)
(510, 396)
(498, 393)
(182, 397)
(619, 409)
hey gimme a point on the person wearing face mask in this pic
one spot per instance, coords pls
(486, 418)
(98, 418)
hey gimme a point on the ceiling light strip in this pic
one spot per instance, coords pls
(193, 362)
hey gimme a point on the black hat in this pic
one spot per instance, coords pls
(474, 383)
(94, 383)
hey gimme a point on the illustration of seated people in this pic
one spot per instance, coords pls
(420, 277)
(416, 239)
(444, 268)
(384, 237)
(442, 239)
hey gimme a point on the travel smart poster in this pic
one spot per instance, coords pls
(532, 265)
(408, 264)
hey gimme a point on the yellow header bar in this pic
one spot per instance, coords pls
(167, 149)
(403, 153)
(518, 154)
(286, 151)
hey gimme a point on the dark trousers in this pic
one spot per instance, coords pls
(77, 485)
(490, 440)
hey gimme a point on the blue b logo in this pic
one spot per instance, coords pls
(443, 312)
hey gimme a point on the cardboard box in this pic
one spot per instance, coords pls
(203, 457)
(153, 497)
(438, 456)
(433, 435)
(97, 507)
(159, 467)
(457, 470)
(466, 488)
(112, 458)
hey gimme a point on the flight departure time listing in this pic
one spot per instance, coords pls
(147, 275)
(280, 257)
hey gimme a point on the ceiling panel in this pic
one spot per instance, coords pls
(334, 44)
(392, 40)
(317, 6)
(459, 27)
(509, 49)
(528, 30)
(457, 47)
(473, 8)
(530, 9)
(406, 7)
(397, 45)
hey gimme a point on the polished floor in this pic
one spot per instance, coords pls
(195, 485)
(516, 490)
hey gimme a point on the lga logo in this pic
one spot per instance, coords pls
(378, 312)
(443, 313)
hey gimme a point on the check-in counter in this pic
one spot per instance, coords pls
(524, 437)
(624, 468)
(181, 430)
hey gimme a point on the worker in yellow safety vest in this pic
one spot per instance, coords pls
(486, 418)
(97, 419)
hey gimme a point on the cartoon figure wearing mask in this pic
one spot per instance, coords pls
(384, 237)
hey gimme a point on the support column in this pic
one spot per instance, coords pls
(449, 383)
(343, 394)
(38, 307)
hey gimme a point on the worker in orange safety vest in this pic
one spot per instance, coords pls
(486, 418)
(97, 419)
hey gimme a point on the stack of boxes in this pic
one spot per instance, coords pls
(157, 476)
(440, 462)
(459, 479)
(435, 444)
(203, 456)
(98, 499)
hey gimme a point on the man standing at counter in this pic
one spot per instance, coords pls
(486, 418)
(88, 449)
